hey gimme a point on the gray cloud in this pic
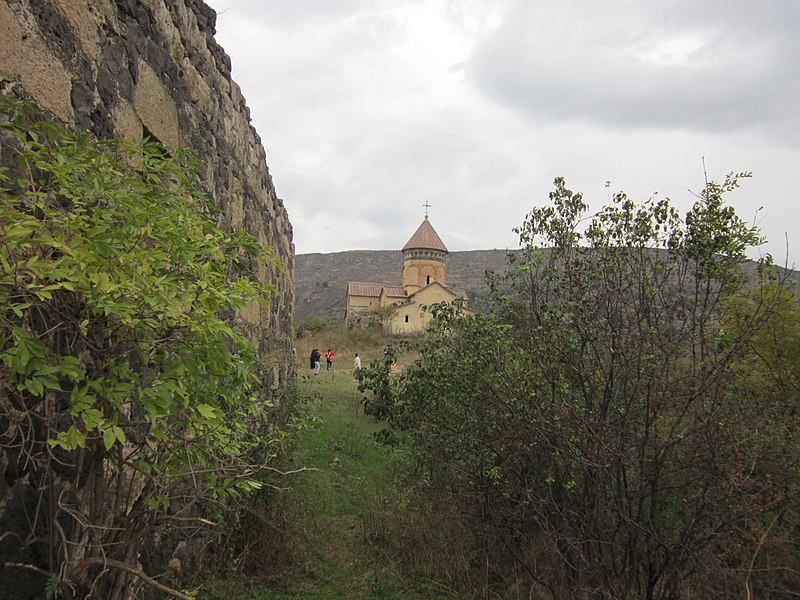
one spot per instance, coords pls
(715, 67)
(369, 109)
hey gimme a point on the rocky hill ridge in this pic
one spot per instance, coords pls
(321, 279)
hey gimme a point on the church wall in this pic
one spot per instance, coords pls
(362, 304)
(415, 324)
(410, 275)
(387, 301)
(417, 271)
(427, 275)
(434, 294)
(361, 310)
(417, 318)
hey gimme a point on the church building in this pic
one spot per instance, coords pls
(399, 308)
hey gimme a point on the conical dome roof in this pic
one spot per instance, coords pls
(425, 237)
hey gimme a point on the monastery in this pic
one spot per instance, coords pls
(400, 309)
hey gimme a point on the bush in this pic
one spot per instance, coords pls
(312, 324)
(130, 398)
(600, 431)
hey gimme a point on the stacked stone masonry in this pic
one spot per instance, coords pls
(135, 68)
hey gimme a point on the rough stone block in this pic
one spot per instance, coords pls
(155, 107)
(10, 43)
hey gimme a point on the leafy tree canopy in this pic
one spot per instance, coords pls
(608, 430)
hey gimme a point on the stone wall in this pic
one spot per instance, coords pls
(134, 68)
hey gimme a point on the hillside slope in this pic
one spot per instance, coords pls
(321, 279)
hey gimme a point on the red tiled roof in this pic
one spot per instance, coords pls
(394, 292)
(357, 288)
(425, 237)
(457, 293)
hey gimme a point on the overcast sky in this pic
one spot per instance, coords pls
(370, 108)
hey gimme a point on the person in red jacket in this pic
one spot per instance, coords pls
(329, 359)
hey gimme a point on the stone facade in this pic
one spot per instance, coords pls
(135, 68)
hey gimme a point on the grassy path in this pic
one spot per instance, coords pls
(343, 508)
(340, 495)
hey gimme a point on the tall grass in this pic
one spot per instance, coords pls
(358, 522)
(368, 342)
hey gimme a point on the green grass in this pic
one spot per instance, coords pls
(345, 343)
(343, 511)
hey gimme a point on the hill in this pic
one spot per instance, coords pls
(321, 279)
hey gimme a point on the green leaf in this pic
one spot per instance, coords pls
(69, 440)
(34, 385)
(23, 354)
(51, 587)
(19, 309)
(109, 437)
(17, 231)
(92, 418)
(119, 434)
(207, 411)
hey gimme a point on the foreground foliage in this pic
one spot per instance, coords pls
(624, 424)
(338, 528)
(129, 397)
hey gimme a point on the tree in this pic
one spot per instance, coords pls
(129, 396)
(594, 424)
(386, 315)
(314, 324)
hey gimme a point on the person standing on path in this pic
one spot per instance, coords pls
(329, 359)
(315, 356)
(357, 367)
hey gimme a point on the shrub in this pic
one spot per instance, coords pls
(312, 324)
(606, 429)
(129, 396)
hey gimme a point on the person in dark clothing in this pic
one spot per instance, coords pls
(315, 356)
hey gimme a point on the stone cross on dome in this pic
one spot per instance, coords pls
(427, 205)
